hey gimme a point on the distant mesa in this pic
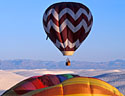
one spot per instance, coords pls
(116, 65)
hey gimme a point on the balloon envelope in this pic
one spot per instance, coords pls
(67, 24)
(62, 85)
(79, 86)
(37, 82)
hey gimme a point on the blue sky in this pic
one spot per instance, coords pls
(22, 35)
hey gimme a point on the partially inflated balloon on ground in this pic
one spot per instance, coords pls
(62, 85)
(37, 82)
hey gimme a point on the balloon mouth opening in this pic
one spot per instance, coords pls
(67, 53)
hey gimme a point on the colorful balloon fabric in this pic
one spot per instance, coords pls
(62, 85)
(67, 24)
(37, 82)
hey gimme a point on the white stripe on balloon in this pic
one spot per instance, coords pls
(69, 11)
(67, 43)
(69, 24)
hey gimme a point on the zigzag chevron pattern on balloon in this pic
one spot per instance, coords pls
(58, 16)
(67, 24)
(67, 43)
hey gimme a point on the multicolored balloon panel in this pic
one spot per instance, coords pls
(37, 82)
(67, 24)
(79, 86)
(62, 85)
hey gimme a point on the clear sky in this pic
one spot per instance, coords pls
(22, 35)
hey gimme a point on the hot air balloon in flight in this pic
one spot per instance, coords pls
(62, 85)
(67, 24)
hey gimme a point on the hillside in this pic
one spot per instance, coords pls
(38, 64)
